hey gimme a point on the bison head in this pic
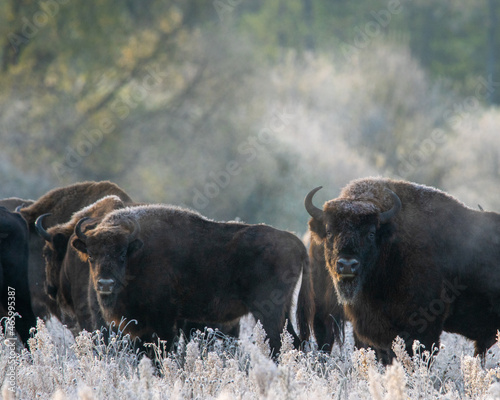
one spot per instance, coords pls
(107, 250)
(352, 232)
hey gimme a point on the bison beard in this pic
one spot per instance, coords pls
(407, 242)
(347, 289)
(165, 264)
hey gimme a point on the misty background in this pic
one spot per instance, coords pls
(238, 108)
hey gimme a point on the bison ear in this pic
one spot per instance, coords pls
(79, 245)
(317, 228)
(134, 246)
(60, 242)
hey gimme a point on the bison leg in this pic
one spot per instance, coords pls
(326, 330)
(273, 328)
(272, 317)
(481, 346)
(321, 333)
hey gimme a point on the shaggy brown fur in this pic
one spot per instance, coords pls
(329, 318)
(61, 203)
(11, 203)
(178, 265)
(68, 276)
(432, 267)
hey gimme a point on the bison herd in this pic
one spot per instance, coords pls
(393, 258)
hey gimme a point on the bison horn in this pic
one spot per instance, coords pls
(313, 211)
(41, 230)
(19, 207)
(78, 230)
(387, 215)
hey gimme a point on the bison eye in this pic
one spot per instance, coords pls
(371, 235)
(90, 258)
(329, 234)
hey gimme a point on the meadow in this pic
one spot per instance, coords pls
(58, 366)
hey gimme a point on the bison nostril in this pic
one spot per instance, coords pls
(354, 266)
(347, 266)
(105, 285)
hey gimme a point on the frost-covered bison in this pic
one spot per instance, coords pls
(159, 264)
(412, 261)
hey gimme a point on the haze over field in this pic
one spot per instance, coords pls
(238, 109)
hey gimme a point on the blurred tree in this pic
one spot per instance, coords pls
(450, 39)
(168, 98)
(492, 65)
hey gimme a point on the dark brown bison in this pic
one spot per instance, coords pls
(412, 261)
(15, 294)
(329, 318)
(160, 264)
(67, 276)
(61, 203)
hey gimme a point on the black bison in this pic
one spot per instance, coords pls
(15, 294)
(412, 261)
(161, 264)
(61, 203)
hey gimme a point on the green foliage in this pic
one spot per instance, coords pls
(238, 108)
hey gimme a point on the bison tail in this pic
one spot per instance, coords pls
(305, 303)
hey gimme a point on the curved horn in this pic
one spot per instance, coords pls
(387, 215)
(135, 232)
(19, 207)
(78, 230)
(41, 230)
(313, 211)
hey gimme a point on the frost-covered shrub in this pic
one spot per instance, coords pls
(211, 366)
